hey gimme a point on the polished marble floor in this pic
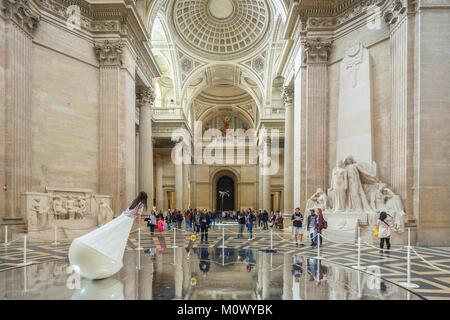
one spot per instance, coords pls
(241, 269)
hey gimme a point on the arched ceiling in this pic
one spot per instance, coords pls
(221, 29)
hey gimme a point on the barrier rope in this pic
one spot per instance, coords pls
(429, 263)
(384, 250)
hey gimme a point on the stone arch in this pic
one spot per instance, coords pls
(218, 173)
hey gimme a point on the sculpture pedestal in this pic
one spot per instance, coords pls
(343, 227)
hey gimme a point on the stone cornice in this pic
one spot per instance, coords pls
(109, 20)
(20, 12)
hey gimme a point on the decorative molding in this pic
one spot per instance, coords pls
(20, 12)
(396, 11)
(317, 51)
(110, 53)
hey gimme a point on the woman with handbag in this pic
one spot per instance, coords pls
(384, 230)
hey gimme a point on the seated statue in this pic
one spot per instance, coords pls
(384, 199)
(318, 200)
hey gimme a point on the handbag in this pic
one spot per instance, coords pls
(376, 230)
(325, 224)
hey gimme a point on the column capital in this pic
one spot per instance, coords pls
(145, 97)
(288, 95)
(109, 52)
(20, 12)
(317, 50)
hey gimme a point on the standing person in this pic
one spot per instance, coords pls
(250, 222)
(312, 222)
(265, 219)
(213, 218)
(258, 219)
(169, 220)
(160, 224)
(187, 220)
(179, 219)
(384, 230)
(205, 221)
(297, 227)
(320, 226)
(241, 222)
(272, 220)
(197, 222)
(151, 221)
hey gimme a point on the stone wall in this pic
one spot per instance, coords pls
(65, 111)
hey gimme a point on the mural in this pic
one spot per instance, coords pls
(224, 122)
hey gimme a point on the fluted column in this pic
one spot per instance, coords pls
(266, 176)
(288, 97)
(145, 99)
(20, 23)
(316, 52)
(401, 20)
(287, 277)
(159, 183)
(179, 188)
(117, 125)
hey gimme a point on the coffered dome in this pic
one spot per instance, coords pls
(221, 29)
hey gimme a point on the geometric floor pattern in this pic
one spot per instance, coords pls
(434, 281)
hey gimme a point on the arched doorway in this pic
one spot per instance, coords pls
(225, 194)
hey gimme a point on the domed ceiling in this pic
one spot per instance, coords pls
(221, 29)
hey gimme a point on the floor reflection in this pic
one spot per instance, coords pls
(203, 273)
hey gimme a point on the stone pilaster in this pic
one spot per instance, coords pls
(266, 176)
(19, 24)
(288, 97)
(145, 98)
(317, 52)
(159, 183)
(116, 126)
(179, 188)
(401, 21)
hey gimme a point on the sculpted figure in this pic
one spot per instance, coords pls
(384, 199)
(58, 209)
(38, 215)
(82, 207)
(318, 200)
(105, 213)
(71, 206)
(356, 197)
(339, 186)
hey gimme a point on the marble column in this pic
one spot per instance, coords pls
(186, 186)
(159, 182)
(287, 277)
(19, 24)
(117, 114)
(288, 192)
(178, 273)
(317, 52)
(145, 274)
(265, 292)
(266, 177)
(401, 21)
(145, 99)
(179, 188)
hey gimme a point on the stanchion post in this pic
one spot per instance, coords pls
(139, 237)
(271, 239)
(223, 246)
(358, 266)
(55, 231)
(408, 282)
(6, 236)
(25, 262)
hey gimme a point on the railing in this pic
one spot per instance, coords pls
(274, 113)
(168, 113)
